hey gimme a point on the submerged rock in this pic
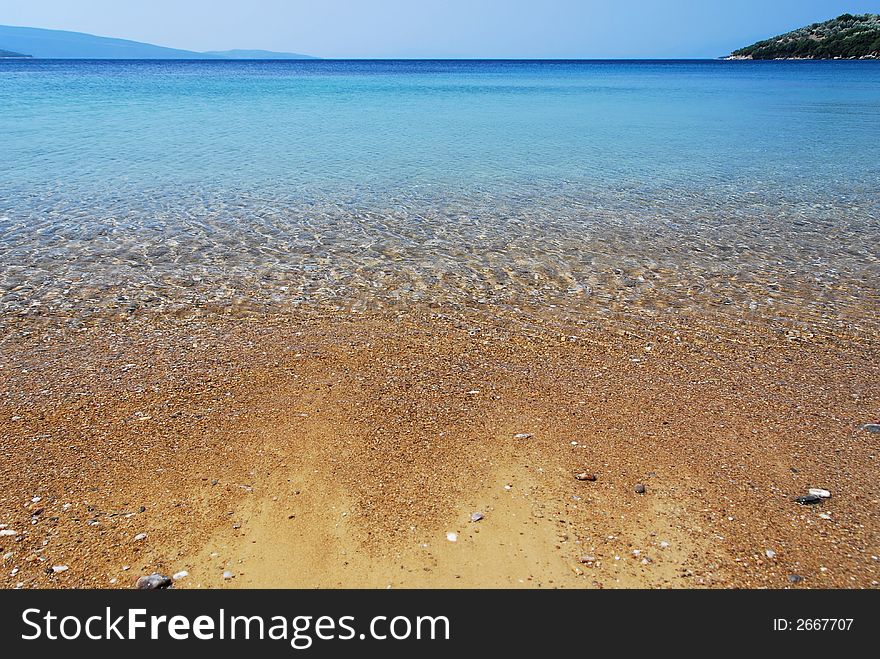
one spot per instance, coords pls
(154, 581)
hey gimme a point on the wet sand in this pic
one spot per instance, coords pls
(329, 449)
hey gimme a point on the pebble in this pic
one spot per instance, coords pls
(586, 477)
(819, 492)
(824, 516)
(183, 574)
(523, 435)
(808, 499)
(58, 569)
(508, 487)
(871, 427)
(155, 581)
(770, 553)
(452, 537)
(795, 578)
(588, 559)
(228, 575)
(664, 545)
(7, 532)
(641, 489)
(140, 536)
(476, 517)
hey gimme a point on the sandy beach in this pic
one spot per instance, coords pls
(330, 449)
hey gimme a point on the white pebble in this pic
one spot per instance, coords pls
(664, 545)
(228, 575)
(183, 574)
(452, 537)
(57, 569)
(819, 492)
(140, 536)
(770, 553)
(8, 532)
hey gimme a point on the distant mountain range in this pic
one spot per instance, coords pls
(9, 53)
(58, 44)
(845, 37)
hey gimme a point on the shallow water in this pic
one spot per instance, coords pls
(741, 189)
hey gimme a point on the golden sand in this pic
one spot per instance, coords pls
(327, 449)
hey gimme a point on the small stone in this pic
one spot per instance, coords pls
(819, 492)
(58, 569)
(7, 532)
(140, 536)
(228, 575)
(523, 435)
(142, 509)
(183, 574)
(452, 537)
(871, 427)
(795, 578)
(641, 489)
(588, 559)
(824, 516)
(664, 545)
(808, 500)
(154, 581)
(770, 553)
(508, 487)
(584, 476)
(476, 517)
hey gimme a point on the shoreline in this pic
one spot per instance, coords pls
(328, 449)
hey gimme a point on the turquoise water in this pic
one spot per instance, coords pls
(737, 188)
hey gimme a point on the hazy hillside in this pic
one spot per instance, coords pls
(58, 44)
(844, 37)
(9, 53)
(255, 54)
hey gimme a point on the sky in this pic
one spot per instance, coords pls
(435, 28)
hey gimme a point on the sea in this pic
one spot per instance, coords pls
(731, 190)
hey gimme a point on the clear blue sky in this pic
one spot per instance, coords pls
(438, 28)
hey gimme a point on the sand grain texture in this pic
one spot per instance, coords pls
(339, 450)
